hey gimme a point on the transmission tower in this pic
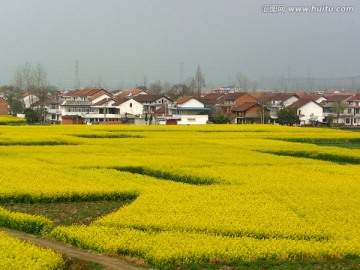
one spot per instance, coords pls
(181, 72)
(76, 80)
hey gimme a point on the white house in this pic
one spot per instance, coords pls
(104, 110)
(129, 106)
(187, 111)
(29, 99)
(308, 110)
(151, 103)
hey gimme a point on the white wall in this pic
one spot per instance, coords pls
(96, 100)
(308, 109)
(135, 108)
(30, 99)
(193, 120)
(290, 101)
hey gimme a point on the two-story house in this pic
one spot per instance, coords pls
(151, 103)
(334, 108)
(352, 110)
(308, 111)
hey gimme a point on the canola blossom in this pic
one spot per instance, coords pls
(9, 119)
(232, 193)
(16, 254)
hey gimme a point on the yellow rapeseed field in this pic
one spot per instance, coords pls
(15, 254)
(219, 192)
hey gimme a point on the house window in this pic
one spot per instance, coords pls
(130, 105)
(347, 120)
(349, 111)
(357, 111)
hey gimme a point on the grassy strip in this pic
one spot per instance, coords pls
(28, 198)
(319, 156)
(188, 179)
(305, 264)
(353, 143)
(69, 213)
(36, 143)
(106, 136)
(77, 264)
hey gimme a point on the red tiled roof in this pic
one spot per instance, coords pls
(212, 96)
(148, 98)
(283, 96)
(301, 102)
(99, 94)
(184, 99)
(244, 106)
(355, 98)
(121, 100)
(311, 97)
(337, 97)
(233, 96)
(86, 92)
(134, 92)
(266, 97)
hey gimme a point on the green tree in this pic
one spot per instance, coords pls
(221, 119)
(288, 116)
(13, 95)
(150, 119)
(30, 115)
(16, 106)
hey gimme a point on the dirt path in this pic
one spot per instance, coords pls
(108, 262)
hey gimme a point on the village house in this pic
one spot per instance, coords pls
(332, 106)
(352, 113)
(151, 103)
(235, 99)
(4, 106)
(29, 99)
(249, 113)
(88, 105)
(212, 101)
(308, 111)
(274, 102)
(191, 111)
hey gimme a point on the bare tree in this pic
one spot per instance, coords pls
(179, 90)
(199, 81)
(155, 87)
(24, 77)
(243, 81)
(33, 80)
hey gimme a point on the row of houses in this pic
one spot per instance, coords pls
(242, 107)
(97, 105)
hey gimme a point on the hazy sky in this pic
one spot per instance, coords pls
(121, 41)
